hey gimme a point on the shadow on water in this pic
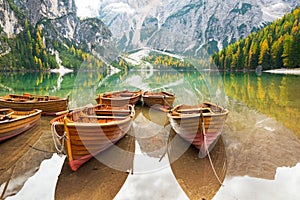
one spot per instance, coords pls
(21, 157)
(151, 132)
(196, 175)
(98, 178)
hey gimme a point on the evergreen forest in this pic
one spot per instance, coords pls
(275, 46)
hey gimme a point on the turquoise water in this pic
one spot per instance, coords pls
(277, 96)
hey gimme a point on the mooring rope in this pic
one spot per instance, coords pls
(167, 103)
(7, 182)
(61, 138)
(132, 147)
(42, 150)
(206, 149)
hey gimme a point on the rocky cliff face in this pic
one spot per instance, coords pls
(9, 23)
(58, 20)
(188, 26)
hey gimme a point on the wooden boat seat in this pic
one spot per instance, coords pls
(6, 111)
(158, 96)
(102, 117)
(8, 99)
(5, 117)
(195, 110)
(20, 100)
(126, 95)
(5, 114)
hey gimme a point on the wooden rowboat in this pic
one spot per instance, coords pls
(48, 104)
(159, 100)
(83, 134)
(13, 123)
(201, 125)
(119, 98)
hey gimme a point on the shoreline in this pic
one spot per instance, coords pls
(294, 71)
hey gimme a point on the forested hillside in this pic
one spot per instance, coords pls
(28, 52)
(37, 36)
(275, 46)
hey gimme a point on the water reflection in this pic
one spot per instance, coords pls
(284, 186)
(163, 160)
(257, 144)
(263, 157)
(195, 175)
(197, 86)
(260, 133)
(275, 95)
(158, 184)
(43, 83)
(21, 156)
(97, 178)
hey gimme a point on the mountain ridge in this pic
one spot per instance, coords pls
(192, 27)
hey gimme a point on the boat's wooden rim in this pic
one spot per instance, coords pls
(184, 116)
(103, 117)
(119, 119)
(90, 124)
(176, 113)
(11, 100)
(27, 95)
(161, 94)
(116, 98)
(134, 93)
(126, 109)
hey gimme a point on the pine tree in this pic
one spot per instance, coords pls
(288, 40)
(264, 55)
(276, 52)
(294, 53)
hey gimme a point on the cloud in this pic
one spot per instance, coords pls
(284, 186)
(152, 179)
(36, 187)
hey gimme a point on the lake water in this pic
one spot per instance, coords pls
(260, 136)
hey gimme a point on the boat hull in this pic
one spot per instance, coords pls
(200, 129)
(48, 105)
(20, 122)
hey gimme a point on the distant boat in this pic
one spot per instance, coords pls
(13, 123)
(162, 100)
(83, 134)
(201, 125)
(119, 98)
(49, 105)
